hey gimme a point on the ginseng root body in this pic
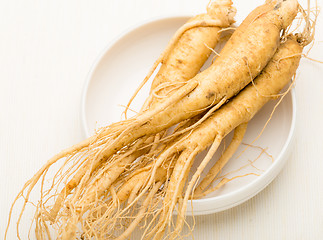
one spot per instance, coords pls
(137, 170)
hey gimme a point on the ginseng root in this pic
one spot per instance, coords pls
(138, 147)
(232, 115)
(230, 72)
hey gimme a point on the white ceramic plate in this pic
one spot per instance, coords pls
(122, 66)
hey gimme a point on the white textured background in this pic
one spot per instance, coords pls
(46, 50)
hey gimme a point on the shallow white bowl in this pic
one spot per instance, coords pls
(122, 66)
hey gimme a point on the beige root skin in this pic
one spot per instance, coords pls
(261, 39)
(174, 191)
(272, 22)
(225, 157)
(105, 153)
(233, 114)
(244, 106)
(141, 213)
(211, 35)
(194, 96)
(239, 110)
(180, 61)
(237, 37)
(188, 98)
(104, 182)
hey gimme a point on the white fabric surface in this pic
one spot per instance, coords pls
(46, 50)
